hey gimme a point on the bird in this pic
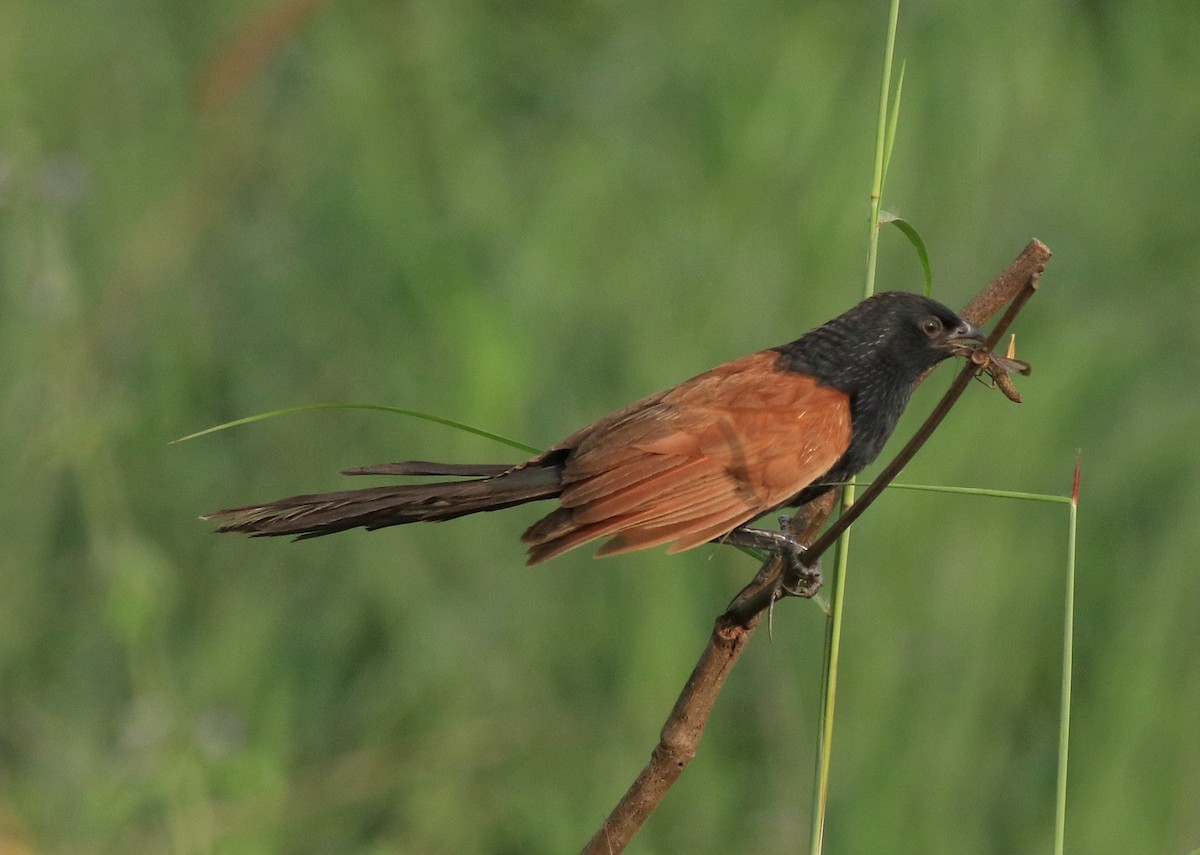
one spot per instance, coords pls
(694, 464)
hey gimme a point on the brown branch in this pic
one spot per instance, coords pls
(681, 733)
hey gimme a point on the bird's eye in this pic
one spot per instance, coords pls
(931, 326)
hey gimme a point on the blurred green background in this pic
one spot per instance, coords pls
(523, 215)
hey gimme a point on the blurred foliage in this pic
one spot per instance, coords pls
(523, 215)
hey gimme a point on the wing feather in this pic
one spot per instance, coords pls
(689, 465)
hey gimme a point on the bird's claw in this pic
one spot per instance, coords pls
(798, 579)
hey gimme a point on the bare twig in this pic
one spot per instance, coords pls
(681, 733)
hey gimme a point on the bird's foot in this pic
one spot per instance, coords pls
(797, 579)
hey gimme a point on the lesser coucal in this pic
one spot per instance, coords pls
(687, 466)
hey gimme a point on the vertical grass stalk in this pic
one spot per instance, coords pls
(1064, 725)
(833, 644)
(885, 135)
(882, 148)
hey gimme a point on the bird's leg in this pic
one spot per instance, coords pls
(797, 579)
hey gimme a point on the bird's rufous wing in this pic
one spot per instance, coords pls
(691, 464)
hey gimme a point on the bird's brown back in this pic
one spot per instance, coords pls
(691, 464)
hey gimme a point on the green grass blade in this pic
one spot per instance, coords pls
(1064, 733)
(834, 626)
(914, 237)
(893, 121)
(833, 649)
(881, 149)
(416, 414)
(983, 491)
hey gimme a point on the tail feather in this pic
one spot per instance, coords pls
(378, 507)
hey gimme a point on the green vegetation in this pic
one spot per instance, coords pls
(521, 216)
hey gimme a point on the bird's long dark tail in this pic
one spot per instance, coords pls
(494, 486)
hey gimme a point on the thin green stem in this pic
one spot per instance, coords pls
(1064, 733)
(984, 491)
(416, 414)
(893, 121)
(881, 148)
(833, 632)
(833, 650)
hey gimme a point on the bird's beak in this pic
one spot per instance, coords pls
(965, 330)
(959, 340)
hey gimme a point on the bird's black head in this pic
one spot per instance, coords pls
(875, 353)
(911, 332)
(891, 338)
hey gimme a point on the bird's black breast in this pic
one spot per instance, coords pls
(875, 411)
(878, 390)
